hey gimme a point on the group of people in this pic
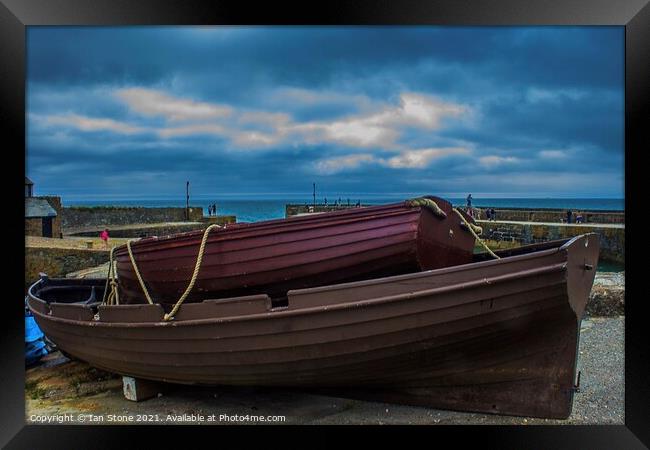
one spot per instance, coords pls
(339, 202)
(490, 213)
(212, 210)
(578, 217)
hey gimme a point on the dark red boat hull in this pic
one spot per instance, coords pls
(276, 256)
(496, 336)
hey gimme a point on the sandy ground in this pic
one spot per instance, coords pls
(72, 392)
(71, 242)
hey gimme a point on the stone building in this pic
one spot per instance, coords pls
(42, 214)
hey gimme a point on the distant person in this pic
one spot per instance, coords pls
(488, 214)
(325, 201)
(209, 210)
(569, 213)
(104, 237)
(469, 201)
(579, 218)
(214, 209)
(493, 214)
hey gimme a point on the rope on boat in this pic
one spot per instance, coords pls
(113, 297)
(197, 267)
(435, 209)
(471, 228)
(137, 272)
(427, 203)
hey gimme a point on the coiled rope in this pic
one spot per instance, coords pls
(427, 203)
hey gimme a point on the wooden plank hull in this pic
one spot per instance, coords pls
(275, 256)
(496, 336)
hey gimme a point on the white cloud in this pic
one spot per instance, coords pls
(273, 119)
(90, 123)
(382, 128)
(192, 130)
(334, 165)
(425, 111)
(408, 159)
(150, 102)
(253, 139)
(493, 160)
(414, 159)
(251, 129)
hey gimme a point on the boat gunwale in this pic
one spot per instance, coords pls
(192, 238)
(365, 212)
(425, 273)
(269, 245)
(498, 312)
(286, 312)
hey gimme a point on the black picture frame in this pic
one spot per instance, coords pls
(16, 15)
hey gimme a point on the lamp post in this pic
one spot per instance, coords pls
(187, 201)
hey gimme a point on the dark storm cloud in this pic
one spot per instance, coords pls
(367, 109)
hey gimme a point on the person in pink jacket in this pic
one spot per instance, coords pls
(104, 237)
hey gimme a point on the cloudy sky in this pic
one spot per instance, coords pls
(496, 111)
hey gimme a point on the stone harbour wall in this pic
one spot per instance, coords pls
(79, 217)
(57, 262)
(295, 209)
(219, 220)
(612, 239)
(553, 215)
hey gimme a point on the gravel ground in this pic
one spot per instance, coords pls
(61, 386)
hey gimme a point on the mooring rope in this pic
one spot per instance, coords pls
(112, 297)
(195, 274)
(471, 227)
(427, 203)
(433, 207)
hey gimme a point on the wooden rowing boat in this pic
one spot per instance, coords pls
(275, 256)
(497, 336)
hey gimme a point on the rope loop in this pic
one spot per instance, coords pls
(471, 228)
(197, 267)
(427, 203)
(111, 297)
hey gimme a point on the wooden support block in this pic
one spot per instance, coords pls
(137, 389)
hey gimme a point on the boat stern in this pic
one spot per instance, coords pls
(582, 260)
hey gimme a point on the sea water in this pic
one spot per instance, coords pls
(255, 210)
